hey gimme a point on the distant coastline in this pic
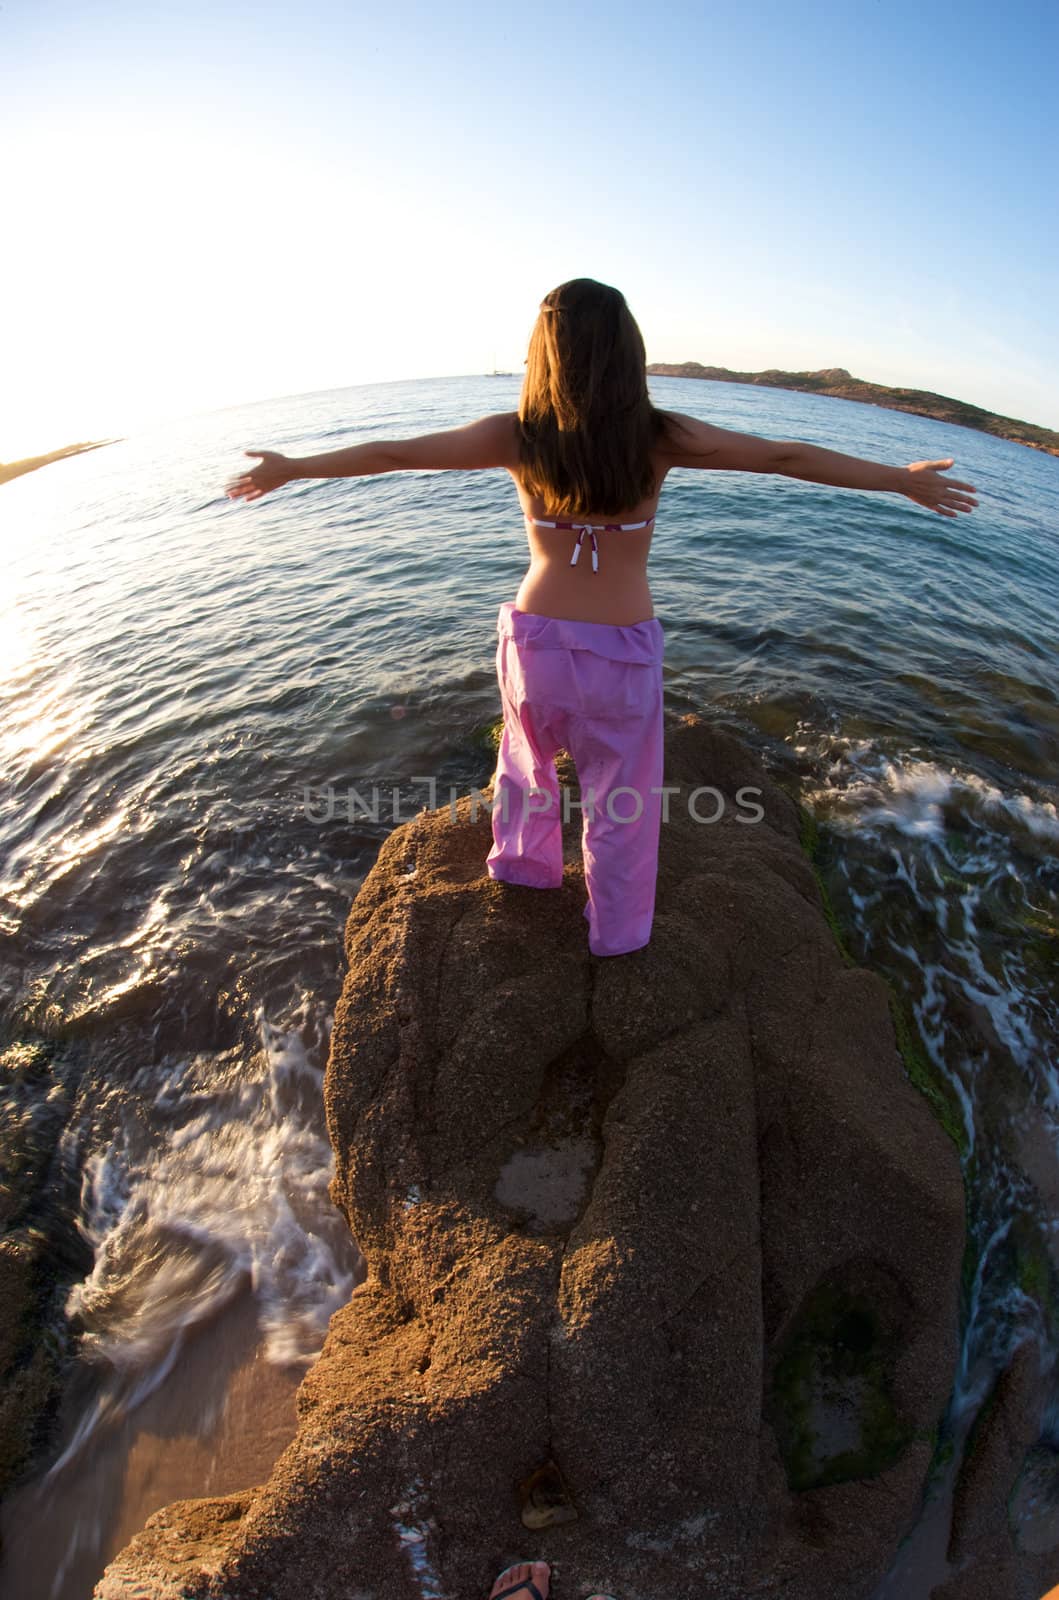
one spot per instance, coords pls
(15, 469)
(833, 381)
(837, 382)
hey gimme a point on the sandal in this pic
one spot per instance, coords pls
(526, 1583)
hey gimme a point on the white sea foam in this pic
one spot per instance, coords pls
(869, 788)
(233, 1195)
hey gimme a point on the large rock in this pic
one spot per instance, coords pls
(39, 1250)
(988, 1555)
(663, 1247)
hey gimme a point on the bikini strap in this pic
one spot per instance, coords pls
(603, 527)
(581, 528)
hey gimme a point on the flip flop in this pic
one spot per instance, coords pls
(527, 1583)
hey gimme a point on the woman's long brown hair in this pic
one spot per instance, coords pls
(586, 424)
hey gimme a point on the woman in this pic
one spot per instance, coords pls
(579, 657)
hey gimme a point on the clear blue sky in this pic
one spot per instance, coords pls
(215, 202)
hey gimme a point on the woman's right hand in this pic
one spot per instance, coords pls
(926, 486)
(273, 472)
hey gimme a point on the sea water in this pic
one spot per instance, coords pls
(183, 678)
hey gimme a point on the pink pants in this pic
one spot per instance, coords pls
(594, 689)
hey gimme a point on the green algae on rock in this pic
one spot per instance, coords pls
(831, 1402)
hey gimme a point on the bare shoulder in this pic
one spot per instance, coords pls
(503, 431)
(494, 438)
(488, 442)
(690, 442)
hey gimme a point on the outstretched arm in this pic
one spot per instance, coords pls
(700, 444)
(489, 442)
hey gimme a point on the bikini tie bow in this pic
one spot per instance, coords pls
(586, 528)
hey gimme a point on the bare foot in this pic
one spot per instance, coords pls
(522, 1574)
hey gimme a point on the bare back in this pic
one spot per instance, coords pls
(618, 591)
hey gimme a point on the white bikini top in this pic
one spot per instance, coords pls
(581, 528)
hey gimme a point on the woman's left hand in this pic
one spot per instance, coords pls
(273, 472)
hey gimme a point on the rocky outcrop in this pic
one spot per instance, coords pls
(663, 1249)
(15, 469)
(837, 383)
(39, 1250)
(1006, 1468)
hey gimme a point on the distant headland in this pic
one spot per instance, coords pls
(15, 469)
(837, 382)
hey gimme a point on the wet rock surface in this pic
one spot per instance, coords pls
(39, 1249)
(1005, 1465)
(663, 1249)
